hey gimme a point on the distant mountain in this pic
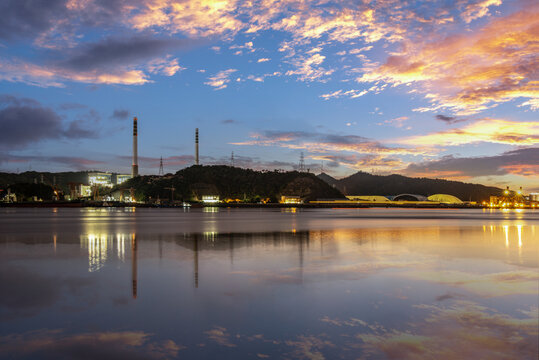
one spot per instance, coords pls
(362, 183)
(327, 178)
(231, 182)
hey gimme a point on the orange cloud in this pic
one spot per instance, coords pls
(522, 169)
(198, 18)
(469, 73)
(460, 331)
(497, 131)
(220, 80)
(20, 71)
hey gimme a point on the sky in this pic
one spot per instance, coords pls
(439, 89)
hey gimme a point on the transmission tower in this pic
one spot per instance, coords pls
(161, 171)
(302, 162)
(232, 158)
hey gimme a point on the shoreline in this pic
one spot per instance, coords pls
(246, 206)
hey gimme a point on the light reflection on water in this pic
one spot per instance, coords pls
(119, 285)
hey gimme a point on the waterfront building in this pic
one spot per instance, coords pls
(291, 199)
(100, 178)
(210, 199)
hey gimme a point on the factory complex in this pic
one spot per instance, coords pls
(107, 187)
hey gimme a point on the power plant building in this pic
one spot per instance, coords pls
(100, 178)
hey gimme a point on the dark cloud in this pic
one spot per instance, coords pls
(113, 52)
(53, 20)
(120, 114)
(24, 121)
(523, 161)
(27, 18)
(22, 125)
(449, 119)
(78, 163)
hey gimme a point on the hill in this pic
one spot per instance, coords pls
(231, 182)
(362, 183)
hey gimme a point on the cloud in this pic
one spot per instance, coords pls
(120, 114)
(352, 94)
(379, 163)
(78, 163)
(23, 19)
(263, 60)
(468, 73)
(220, 80)
(449, 119)
(497, 131)
(57, 344)
(309, 68)
(459, 331)
(318, 143)
(113, 52)
(24, 121)
(229, 122)
(308, 347)
(220, 336)
(397, 122)
(114, 60)
(478, 9)
(523, 162)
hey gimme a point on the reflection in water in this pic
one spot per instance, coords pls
(415, 291)
(100, 247)
(195, 260)
(97, 246)
(134, 264)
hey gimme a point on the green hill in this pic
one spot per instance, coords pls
(362, 183)
(231, 182)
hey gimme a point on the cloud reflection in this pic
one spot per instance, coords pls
(56, 344)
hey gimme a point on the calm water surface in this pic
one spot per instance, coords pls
(281, 283)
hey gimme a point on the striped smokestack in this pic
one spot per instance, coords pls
(134, 170)
(196, 146)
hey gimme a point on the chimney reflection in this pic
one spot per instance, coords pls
(301, 256)
(506, 231)
(195, 261)
(134, 264)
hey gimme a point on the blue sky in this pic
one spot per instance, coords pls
(443, 89)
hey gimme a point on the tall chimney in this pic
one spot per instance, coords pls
(134, 170)
(196, 146)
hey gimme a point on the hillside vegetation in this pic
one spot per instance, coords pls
(231, 182)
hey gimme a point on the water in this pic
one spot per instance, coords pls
(254, 284)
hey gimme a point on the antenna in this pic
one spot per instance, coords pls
(302, 162)
(161, 171)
